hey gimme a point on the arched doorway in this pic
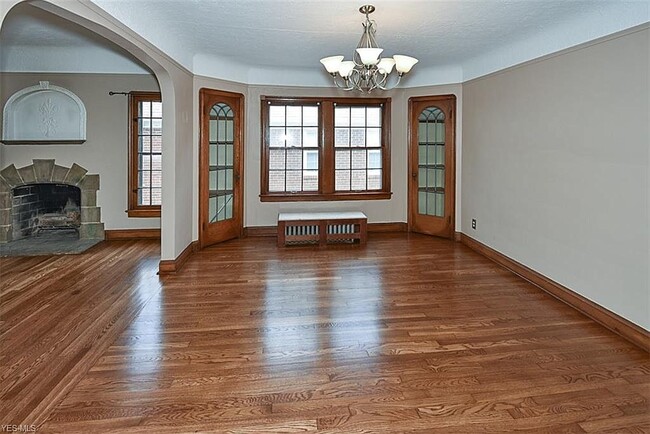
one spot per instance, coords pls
(170, 77)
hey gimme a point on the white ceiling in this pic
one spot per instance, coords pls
(33, 40)
(258, 41)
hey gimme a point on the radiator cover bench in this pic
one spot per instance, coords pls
(322, 228)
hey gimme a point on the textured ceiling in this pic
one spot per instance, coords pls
(299, 33)
(296, 34)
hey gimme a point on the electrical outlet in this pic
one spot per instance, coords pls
(474, 224)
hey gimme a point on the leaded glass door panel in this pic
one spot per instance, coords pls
(432, 180)
(220, 166)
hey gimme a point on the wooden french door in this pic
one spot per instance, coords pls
(432, 174)
(221, 166)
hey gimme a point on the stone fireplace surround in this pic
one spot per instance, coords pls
(45, 171)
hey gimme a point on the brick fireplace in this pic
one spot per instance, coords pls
(19, 190)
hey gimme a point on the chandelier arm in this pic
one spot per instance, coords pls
(372, 83)
(394, 85)
(355, 79)
(345, 85)
(379, 79)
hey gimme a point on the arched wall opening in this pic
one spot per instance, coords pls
(170, 78)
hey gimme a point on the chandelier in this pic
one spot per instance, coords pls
(367, 71)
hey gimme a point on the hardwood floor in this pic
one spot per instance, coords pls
(58, 314)
(406, 334)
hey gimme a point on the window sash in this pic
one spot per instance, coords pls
(294, 148)
(370, 172)
(145, 154)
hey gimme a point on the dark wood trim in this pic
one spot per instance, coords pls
(144, 211)
(614, 322)
(327, 182)
(458, 236)
(371, 195)
(272, 231)
(317, 99)
(261, 231)
(326, 191)
(135, 210)
(132, 234)
(388, 227)
(170, 266)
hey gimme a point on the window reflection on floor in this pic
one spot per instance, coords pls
(147, 341)
(328, 316)
(358, 303)
(287, 300)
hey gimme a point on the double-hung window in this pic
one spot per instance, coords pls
(145, 154)
(325, 149)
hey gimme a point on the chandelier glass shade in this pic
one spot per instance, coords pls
(367, 70)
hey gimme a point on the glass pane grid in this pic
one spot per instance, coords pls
(149, 153)
(431, 162)
(221, 157)
(294, 151)
(358, 144)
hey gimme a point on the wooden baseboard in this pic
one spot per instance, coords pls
(458, 236)
(169, 266)
(261, 231)
(132, 234)
(388, 227)
(272, 231)
(619, 325)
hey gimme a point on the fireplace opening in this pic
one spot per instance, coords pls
(44, 207)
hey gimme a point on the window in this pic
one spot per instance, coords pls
(293, 148)
(145, 154)
(325, 149)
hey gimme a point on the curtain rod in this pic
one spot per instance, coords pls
(111, 93)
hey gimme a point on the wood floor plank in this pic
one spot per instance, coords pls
(407, 334)
(89, 300)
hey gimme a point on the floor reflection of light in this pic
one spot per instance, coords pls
(290, 303)
(145, 351)
(310, 318)
(358, 304)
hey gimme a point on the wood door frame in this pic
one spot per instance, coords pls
(204, 159)
(450, 198)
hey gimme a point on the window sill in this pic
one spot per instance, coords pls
(303, 197)
(144, 212)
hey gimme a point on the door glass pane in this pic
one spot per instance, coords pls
(431, 162)
(221, 174)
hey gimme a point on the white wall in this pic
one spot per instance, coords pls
(555, 169)
(106, 150)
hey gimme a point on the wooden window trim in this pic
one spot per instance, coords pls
(326, 151)
(135, 210)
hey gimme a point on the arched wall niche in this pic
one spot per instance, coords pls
(44, 114)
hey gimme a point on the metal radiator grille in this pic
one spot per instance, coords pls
(300, 234)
